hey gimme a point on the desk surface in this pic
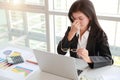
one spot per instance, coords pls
(18, 71)
(104, 73)
(38, 75)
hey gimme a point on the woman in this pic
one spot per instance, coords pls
(85, 38)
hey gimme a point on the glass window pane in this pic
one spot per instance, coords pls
(60, 26)
(31, 2)
(119, 9)
(36, 23)
(4, 37)
(37, 30)
(34, 44)
(3, 0)
(16, 18)
(116, 60)
(18, 41)
(117, 43)
(61, 5)
(3, 21)
(69, 3)
(15, 2)
(101, 6)
(109, 28)
(35, 2)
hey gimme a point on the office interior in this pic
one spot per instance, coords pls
(41, 24)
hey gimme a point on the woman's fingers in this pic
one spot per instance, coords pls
(82, 52)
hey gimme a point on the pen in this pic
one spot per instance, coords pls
(32, 62)
(7, 66)
(79, 43)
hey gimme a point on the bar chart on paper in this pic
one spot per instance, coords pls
(23, 70)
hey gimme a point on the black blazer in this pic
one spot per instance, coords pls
(97, 46)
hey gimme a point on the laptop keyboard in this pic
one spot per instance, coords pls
(79, 71)
(80, 65)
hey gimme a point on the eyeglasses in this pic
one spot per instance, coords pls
(66, 49)
(73, 50)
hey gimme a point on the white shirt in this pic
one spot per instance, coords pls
(82, 43)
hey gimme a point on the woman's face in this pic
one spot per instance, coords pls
(84, 20)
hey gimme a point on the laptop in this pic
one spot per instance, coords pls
(59, 65)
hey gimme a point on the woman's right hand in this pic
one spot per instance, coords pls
(75, 27)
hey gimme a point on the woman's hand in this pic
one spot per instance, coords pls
(74, 29)
(75, 26)
(82, 52)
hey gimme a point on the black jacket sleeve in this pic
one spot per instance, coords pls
(102, 56)
(64, 44)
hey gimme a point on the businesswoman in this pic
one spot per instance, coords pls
(85, 38)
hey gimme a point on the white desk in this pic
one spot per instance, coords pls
(13, 73)
(104, 73)
(38, 75)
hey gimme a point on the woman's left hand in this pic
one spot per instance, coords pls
(82, 52)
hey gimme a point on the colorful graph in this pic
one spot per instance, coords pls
(4, 64)
(19, 69)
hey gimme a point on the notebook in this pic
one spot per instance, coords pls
(56, 64)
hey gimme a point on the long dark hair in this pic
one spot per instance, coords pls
(87, 8)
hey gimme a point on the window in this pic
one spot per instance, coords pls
(35, 2)
(41, 24)
(102, 8)
(60, 5)
(4, 37)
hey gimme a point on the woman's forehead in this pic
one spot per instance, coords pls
(78, 14)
